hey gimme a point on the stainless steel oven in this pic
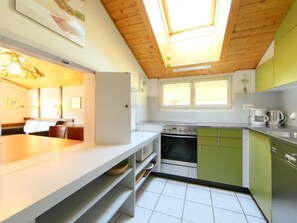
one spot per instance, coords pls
(179, 151)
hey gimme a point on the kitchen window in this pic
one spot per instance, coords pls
(176, 94)
(196, 93)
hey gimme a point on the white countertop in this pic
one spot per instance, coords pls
(30, 191)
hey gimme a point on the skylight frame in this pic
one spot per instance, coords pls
(169, 25)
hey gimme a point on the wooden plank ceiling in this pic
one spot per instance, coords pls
(250, 31)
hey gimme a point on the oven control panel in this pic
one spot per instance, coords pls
(181, 130)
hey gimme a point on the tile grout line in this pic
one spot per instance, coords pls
(157, 201)
(182, 217)
(212, 207)
(242, 209)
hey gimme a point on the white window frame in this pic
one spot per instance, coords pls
(229, 95)
(161, 102)
(192, 105)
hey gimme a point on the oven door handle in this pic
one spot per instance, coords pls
(179, 136)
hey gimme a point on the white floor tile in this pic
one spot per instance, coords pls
(247, 196)
(198, 195)
(252, 219)
(224, 216)
(197, 186)
(159, 178)
(163, 218)
(147, 199)
(175, 190)
(142, 215)
(154, 185)
(250, 208)
(199, 213)
(185, 221)
(170, 206)
(176, 182)
(226, 201)
(223, 191)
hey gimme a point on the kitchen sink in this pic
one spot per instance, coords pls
(283, 134)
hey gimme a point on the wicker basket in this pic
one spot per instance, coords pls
(119, 168)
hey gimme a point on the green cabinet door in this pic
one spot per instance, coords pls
(264, 76)
(220, 164)
(260, 172)
(285, 57)
(288, 23)
(220, 155)
(230, 133)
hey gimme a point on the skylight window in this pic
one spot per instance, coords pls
(188, 15)
(189, 31)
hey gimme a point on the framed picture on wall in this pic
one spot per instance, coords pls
(76, 102)
(62, 16)
(13, 103)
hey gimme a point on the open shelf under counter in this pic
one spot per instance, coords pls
(143, 179)
(76, 205)
(104, 209)
(141, 165)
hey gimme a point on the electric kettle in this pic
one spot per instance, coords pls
(276, 118)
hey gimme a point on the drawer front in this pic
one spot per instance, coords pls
(229, 142)
(207, 132)
(230, 133)
(208, 141)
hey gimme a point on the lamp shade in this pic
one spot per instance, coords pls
(13, 65)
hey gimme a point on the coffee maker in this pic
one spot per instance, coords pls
(275, 118)
(259, 117)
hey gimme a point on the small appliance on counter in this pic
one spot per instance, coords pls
(276, 118)
(259, 117)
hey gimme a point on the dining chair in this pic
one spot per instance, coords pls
(57, 131)
(76, 133)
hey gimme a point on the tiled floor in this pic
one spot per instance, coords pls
(167, 201)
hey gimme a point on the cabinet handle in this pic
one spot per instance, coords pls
(126, 106)
(218, 141)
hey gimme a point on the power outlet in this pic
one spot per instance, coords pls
(247, 106)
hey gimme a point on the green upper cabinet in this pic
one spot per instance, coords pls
(220, 155)
(264, 76)
(288, 23)
(285, 57)
(260, 179)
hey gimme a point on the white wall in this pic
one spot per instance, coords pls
(236, 114)
(33, 106)
(289, 105)
(11, 91)
(48, 96)
(73, 113)
(105, 49)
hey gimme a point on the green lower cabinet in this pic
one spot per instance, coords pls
(220, 164)
(260, 181)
